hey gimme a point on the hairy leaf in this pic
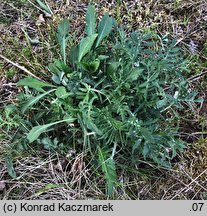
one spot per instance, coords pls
(63, 36)
(34, 100)
(73, 55)
(36, 131)
(90, 21)
(104, 28)
(44, 7)
(85, 45)
(109, 170)
(34, 83)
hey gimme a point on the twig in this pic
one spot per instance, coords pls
(19, 66)
(193, 134)
(193, 180)
(196, 77)
(9, 84)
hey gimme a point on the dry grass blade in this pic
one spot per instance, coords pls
(20, 67)
(187, 186)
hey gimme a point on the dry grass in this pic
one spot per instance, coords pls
(42, 175)
(51, 176)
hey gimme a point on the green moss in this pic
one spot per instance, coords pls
(10, 73)
(26, 52)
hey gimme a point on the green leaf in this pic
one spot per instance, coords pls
(34, 100)
(109, 170)
(91, 66)
(112, 67)
(49, 144)
(63, 28)
(36, 131)
(61, 92)
(161, 103)
(44, 7)
(93, 127)
(58, 67)
(53, 68)
(95, 65)
(85, 45)
(73, 55)
(34, 83)
(90, 21)
(103, 57)
(145, 151)
(85, 66)
(136, 145)
(135, 73)
(56, 79)
(62, 66)
(10, 167)
(146, 133)
(63, 37)
(104, 28)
